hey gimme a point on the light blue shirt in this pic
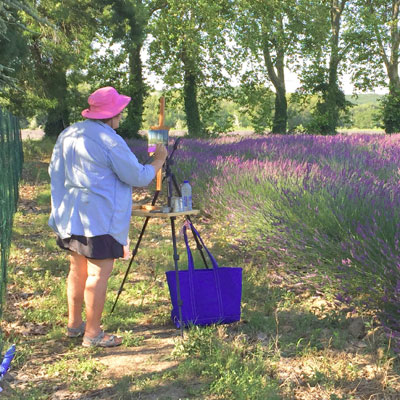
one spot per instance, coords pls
(92, 172)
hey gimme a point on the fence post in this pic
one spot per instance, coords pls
(11, 160)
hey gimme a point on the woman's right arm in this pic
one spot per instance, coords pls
(128, 169)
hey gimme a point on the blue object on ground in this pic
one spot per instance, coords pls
(5, 364)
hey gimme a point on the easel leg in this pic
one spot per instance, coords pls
(178, 288)
(153, 202)
(130, 262)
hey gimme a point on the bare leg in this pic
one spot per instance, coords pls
(95, 293)
(76, 282)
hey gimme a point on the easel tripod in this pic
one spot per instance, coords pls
(171, 185)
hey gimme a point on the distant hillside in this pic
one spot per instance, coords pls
(364, 98)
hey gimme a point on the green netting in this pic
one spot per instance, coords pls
(11, 159)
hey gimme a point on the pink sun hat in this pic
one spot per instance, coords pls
(105, 103)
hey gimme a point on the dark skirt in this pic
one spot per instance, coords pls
(97, 247)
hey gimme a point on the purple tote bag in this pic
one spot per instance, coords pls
(209, 296)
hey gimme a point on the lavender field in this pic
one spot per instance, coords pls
(313, 222)
(327, 203)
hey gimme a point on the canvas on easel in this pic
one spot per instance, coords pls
(158, 135)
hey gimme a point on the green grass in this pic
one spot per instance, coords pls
(77, 370)
(292, 339)
(234, 368)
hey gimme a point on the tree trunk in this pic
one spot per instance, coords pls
(391, 118)
(137, 86)
(280, 117)
(52, 74)
(57, 121)
(56, 89)
(392, 62)
(137, 90)
(393, 66)
(333, 98)
(276, 74)
(193, 121)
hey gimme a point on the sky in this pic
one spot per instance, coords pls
(291, 80)
(292, 83)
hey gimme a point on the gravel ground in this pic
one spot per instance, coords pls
(33, 134)
(37, 134)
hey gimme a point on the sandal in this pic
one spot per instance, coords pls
(101, 341)
(76, 332)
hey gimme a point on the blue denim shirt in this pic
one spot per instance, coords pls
(92, 172)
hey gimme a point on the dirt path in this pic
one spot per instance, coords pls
(33, 134)
(153, 356)
(121, 369)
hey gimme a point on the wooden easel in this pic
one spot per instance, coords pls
(161, 126)
(172, 186)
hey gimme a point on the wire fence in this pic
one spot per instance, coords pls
(11, 159)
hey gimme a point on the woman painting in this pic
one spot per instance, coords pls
(92, 173)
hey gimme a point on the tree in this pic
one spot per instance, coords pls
(377, 53)
(267, 32)
(188, 50)
(54, 53)
(126, 23)
(12, 44)
(324, 48)
(256, 101)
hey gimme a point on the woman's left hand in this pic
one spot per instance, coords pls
(127, 253)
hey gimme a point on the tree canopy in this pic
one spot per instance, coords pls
(203, 52)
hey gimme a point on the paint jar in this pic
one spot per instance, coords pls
(177, 204)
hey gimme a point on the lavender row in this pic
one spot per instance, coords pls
(331, 203)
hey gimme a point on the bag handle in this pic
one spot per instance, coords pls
(189, 252)
(191, 268)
